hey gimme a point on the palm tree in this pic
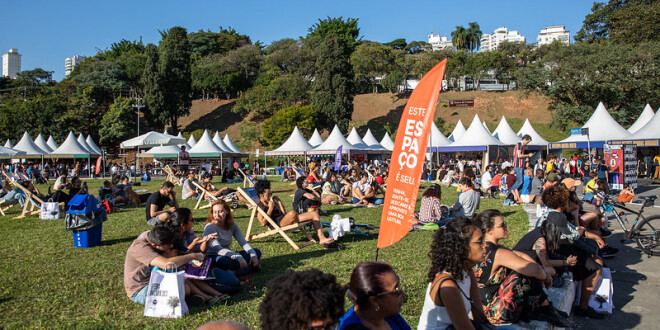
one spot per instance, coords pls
(473, 34)
(458, 37)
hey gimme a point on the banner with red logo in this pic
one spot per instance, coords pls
(98, 165)
(408, 158)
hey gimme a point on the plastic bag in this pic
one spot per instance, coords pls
(166, 296)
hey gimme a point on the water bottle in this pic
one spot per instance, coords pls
(623, 216)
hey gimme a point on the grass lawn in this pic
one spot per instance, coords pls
(47, 282)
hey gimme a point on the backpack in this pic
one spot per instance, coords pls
(108, 206)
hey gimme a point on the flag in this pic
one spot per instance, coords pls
(338, 159)
(98, 165)
(408, 158)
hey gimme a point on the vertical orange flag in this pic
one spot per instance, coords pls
(408, 156)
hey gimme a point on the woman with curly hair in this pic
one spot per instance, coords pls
(377, 296)
(511, 283)
(452, 284)
(302, 300)
(430, 210)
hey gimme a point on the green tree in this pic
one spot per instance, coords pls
(282, 92)
(399, 44)
(175, 74)
(154, 97)
(416, 47)
(392, 81)
(371, 60)
(346, 31)
(473, 36)
(332, 89)
(622, 21)
(117, 123)
(277, 128)
(459, 38)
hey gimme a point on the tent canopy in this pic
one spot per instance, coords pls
(83, 143)
(9, 152)
(151, 139)
(355, 139)
(70, 148)
(42, 144)
(205, 147)
(458, 132)
(436, 138)
(387, 142)
(51, 143)
(537, 139)
(316, 139)
(334, 140)
(643, 118)
(230, 144)
(27, 145)
(191, 141)
(296, 144)
(475, 138)
(221, 144)
(371, 141)
(93, 145)
(8, 144)
(171, 151)
(602, 128)
(504, 133)
(647, 136)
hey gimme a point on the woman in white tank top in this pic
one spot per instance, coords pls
(451, 282)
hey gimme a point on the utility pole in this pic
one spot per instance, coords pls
(138, 106)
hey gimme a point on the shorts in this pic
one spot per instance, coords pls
(153, 221)
(140, 296)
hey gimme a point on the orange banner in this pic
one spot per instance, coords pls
(98, 165)
(408, 157)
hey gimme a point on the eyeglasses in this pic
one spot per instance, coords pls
(398, 291)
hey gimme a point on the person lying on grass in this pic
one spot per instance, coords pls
(154, 248)
(274, 208)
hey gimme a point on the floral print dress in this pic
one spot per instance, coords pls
(506, 295)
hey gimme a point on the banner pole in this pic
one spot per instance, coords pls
(377, 254)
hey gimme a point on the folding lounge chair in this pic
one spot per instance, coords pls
(249, 195)
(170, 175)
(246, 181)
(6, 205)
(203, 196)
(30, 199)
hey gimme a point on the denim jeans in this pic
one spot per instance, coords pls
(225, 281)
(373, 200)
(519, 178)
(15, 194)
(140, 296)
(227, 263)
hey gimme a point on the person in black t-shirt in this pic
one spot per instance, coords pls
(304, 198)
(156, 203)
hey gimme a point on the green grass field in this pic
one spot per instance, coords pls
(47, 282)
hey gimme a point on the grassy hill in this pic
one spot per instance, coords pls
(381, 112)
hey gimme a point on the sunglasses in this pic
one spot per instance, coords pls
(398, 291)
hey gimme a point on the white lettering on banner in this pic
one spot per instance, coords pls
(410, 146)
(405, 179)
(417, 111)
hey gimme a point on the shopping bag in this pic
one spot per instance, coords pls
(166, 296)
(50, 210)
(601, 299)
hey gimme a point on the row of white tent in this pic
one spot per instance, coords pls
(296, 144)
(72, 147)
(165, 145)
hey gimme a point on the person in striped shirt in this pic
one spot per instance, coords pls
(519, 157)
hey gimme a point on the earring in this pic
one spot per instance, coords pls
(377, 308)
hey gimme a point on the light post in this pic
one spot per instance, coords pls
(138, 106)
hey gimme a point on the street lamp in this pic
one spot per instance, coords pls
(138, 106)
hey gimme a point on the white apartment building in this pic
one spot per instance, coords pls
(11, 63)
(438, 43)
(492, 41)
(71, 63)
(552, 33)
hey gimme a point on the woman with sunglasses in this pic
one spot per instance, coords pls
(511, 282)
(376, 292)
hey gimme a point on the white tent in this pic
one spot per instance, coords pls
(371, 141)
(93, 146)
(486, 126)
(602, 128)
(230, 144)
(184, 144)
(27, 145)
(436, 138)
(458, 132)
(643, 118)
(537, 139)
(296, 144)
(355, 139)
(334, 140)
(205, 147)
(170, 151)
(387, 142)
(191, 141)
(151, 139)
(647, 136)
(504, 133)
(475, 138)
(71, 147)
(221, 144)
(41, 143)
(51, 143)
(83, 143)
(8, 144)
(316, 139)
(9, 152)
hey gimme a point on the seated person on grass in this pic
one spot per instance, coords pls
(332, 190)
(468, 201)
(364, 194)
(188, 190)
(156, 202)
(274, 208)
(154, 248)
(61, 182)
(304, 198)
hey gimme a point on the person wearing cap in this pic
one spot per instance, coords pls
(545, 245)
(551, 179)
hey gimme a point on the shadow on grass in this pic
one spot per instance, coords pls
(117, 240)
(4, 300)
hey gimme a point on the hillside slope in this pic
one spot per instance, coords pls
(380, 111)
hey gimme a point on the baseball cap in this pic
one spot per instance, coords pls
(559, 219)
(569, 183)
(552, 177)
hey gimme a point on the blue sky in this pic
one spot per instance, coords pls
(47, 32)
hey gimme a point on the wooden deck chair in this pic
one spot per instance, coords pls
(249, 195)
(202, 197)
(30, 199)
(246, 181)
(6, 205)
(170, 175)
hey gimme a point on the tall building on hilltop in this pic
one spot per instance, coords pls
(492, 41)
(552, 33)
(11, 63)
(438, 43)
(71, 63)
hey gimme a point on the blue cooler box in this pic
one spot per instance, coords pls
(88, 238)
